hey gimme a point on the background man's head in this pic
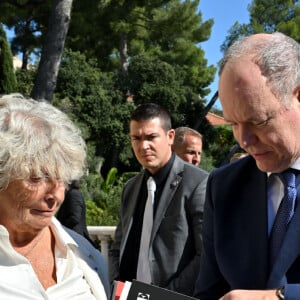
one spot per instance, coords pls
(188, 145)
(151, 136)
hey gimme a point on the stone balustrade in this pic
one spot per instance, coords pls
(104, 234)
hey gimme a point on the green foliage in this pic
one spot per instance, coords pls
(152, 80)
(207, 162)
(160, 43)
(25, 79)
(92, 99)
(94, 214)
(28, 19)
(291, 27)
(160, 40)
(236, 31)
(102, 201)
(221, 145)
(8, 81)
(110, 179)
(177, 30)
(268, 16)
(98, 105)
(171, 31)
(103, 197)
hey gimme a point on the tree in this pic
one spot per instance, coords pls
(116, 31)
(175, 37)
(148, 49)
(8, 82)
(115, 26)
(153, 48)
(92, 98)
(54, 41)
(268, 16)
(152, 80)
(28, 19)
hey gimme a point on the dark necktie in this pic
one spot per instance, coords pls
(143, 268)
(284, 214)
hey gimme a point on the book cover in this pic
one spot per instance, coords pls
(125, 290)
(117, 290)
(143, 291)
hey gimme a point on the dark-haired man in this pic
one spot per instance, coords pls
(173, 254)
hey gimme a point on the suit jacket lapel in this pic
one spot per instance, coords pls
(132, 196)
(168, 192)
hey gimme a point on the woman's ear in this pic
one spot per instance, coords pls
(297, 92)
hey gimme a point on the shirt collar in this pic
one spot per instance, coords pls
(295, 166)
(62, 238)
(163, 172)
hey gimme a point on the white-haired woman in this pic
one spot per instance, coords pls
(41, 151)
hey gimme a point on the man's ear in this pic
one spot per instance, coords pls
(171, 134)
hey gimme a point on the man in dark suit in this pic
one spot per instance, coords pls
(244, 255)
(175, 245)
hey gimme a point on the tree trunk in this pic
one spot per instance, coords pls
(52, 50)
(123, 54)
(24, 59)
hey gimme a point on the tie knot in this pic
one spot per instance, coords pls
(288, 177)
(151, 184)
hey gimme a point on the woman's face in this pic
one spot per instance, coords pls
(29, 205)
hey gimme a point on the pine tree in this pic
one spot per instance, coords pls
(8, 81)
(268, 16)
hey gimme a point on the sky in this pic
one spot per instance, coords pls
(225, 13)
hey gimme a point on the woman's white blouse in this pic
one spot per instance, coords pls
(19, 281)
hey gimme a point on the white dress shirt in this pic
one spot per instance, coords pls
(19, 281)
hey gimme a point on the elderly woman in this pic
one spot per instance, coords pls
(41, 151)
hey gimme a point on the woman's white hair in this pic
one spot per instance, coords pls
(37, 139)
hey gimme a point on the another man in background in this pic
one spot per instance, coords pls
(188, 145)
(72, 212)
(174, 239)
(251, 229)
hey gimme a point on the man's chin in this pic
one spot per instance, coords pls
(268, 168)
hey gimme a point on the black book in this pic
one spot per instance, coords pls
(143, 291)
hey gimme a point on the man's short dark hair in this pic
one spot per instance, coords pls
(148, 111)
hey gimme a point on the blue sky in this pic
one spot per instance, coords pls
(225, 13)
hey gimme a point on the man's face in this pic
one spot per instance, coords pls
(191, 149)
(261, 124)
(151, 144)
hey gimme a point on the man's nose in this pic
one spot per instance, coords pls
(145, 144)
(245, 137)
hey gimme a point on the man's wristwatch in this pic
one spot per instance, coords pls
(280, 293)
